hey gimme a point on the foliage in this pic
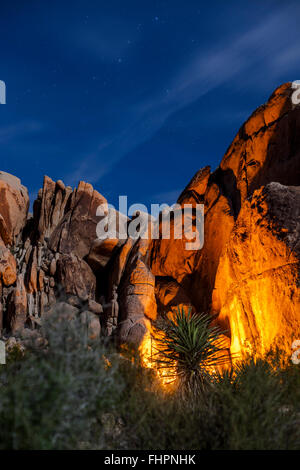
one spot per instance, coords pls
(54, 398)
(191, 349)
(78, 394)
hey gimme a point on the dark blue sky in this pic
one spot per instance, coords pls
(136, 96)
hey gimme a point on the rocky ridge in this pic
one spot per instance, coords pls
(247, 272)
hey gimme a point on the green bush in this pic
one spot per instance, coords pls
(190, 348)
(76, 394)
(256, 408)
(55, 397)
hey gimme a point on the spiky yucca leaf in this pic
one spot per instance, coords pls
(190, 349)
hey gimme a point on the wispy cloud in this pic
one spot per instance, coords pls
(21, 129)
(89, 167)
(286, 59)
(263, 46)
(89, 170)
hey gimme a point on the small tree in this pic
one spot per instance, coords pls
(190, 349)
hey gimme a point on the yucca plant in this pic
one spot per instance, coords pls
(189, 349)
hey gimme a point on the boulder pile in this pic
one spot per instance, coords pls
(246, 274)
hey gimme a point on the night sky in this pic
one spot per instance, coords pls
(136, 96)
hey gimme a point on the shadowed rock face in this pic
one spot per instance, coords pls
(247, 272)
(135, 283)
(170, 294)
(48, 257)
(76, 231)
(101, 251)
(60, 257)
(50, 207)
(76, 277)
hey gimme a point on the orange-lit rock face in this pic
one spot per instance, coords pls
(248, 269)
(266, 149)
(17, 308)
(170, 257)
(8, 267)
(148, 350)
(257, 290)
(218, 224)
(14, 203)
(167, 375)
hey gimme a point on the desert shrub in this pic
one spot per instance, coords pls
(156, 419)
(255, 407)
(74, 393)
(55, 398)
(190, 348)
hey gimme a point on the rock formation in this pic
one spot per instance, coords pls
(257, 288)
(14, 203)
(247, 272)
(224, 277)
